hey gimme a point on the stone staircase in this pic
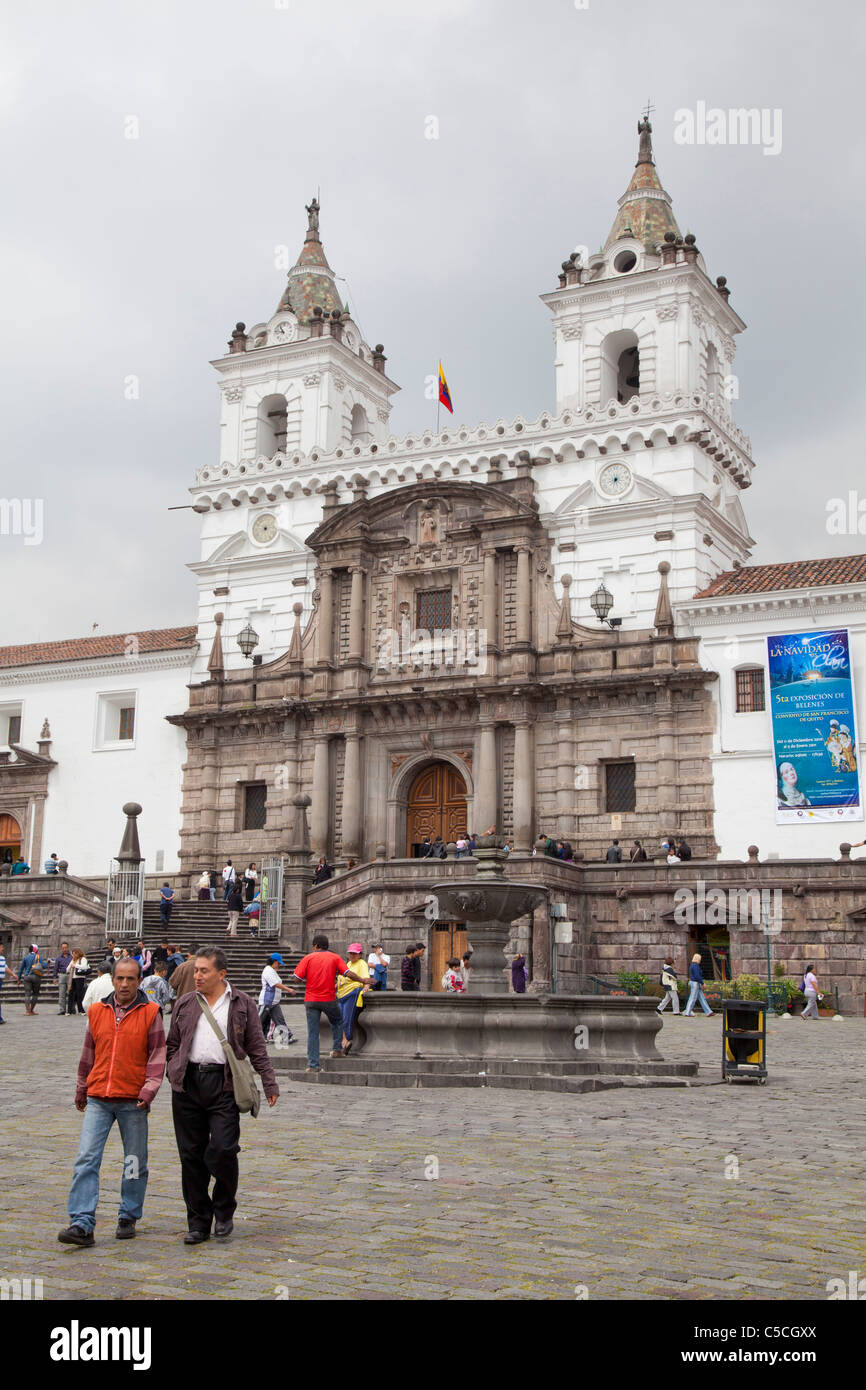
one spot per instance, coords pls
(203, 923)
(572, 1078)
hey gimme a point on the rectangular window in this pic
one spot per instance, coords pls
(433, 610)
(115, 721)
(14, 735)
(126, 722)
(619, 787)
(750, 691)
(254, 808)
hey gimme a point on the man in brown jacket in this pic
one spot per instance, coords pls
(183, 978)
(206, 1118)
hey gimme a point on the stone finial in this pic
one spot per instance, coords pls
(63, 867)
(317, 326)
(46, 730)
(295, 651)
(664, 618)
(845, 850)
(564, 628)
(300, 828)
(129, 855)
(381, 853)
(722, 287)
(216, 662)
(753, 854)
(379, 358)
(238, 340)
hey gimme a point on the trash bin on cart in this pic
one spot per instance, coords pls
(744, 1039)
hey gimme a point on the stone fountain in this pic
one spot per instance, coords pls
(489, 1036)
(490, 903)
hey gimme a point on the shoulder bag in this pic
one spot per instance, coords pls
(248, 1097)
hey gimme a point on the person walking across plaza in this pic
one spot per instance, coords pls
(4, 971)
(350, 994)
(99, 988)
(319, 970)
(30, 973)
(119, 1073)
(810, 989)
(378, 963)
(668, 978)
(166, 899)
(206, 1117)
(62, 963)
(271, 1014)
(183, 978)
(407, 970)
(78, 972)
(696, 988)
(518, 973)
(235, 905)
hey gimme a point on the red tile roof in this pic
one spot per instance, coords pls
(793, 574)
(166, 639)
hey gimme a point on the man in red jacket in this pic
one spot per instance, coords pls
(120, 1071)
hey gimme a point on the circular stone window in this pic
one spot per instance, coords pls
(625, 261)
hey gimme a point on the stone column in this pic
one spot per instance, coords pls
(324, 634)
(524, 787)
(356, 614)
(566, 792)
(523, 616)
(351, 848)
(321, 806)
(485, 794)
(489, 598)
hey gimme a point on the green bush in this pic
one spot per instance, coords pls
(632, 981)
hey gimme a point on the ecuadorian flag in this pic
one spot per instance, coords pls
(444, 393)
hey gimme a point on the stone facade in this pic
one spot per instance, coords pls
(526, 705)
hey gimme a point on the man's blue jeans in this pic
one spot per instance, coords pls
(332, 1012)
(84, 1193)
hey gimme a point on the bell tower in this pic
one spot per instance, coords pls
(304, 379)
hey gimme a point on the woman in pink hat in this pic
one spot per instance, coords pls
(350, 994)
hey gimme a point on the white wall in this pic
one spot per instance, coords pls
(83, 817)
(743, 763)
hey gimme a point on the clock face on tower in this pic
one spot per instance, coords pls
(615, 479)
(264, 529)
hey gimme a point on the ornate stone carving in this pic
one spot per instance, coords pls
(699, 318)
(664, 312)
(312, 379)
(233, 394)
(383, 416)
(397, 759)
(573, 330)
(340, 383)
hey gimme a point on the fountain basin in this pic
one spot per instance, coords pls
(535, 1028)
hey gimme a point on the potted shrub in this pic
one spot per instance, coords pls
(632, 982)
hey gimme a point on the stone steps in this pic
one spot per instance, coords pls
(428, 1072)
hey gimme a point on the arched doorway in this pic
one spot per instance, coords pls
(10, 839)
(436, 805)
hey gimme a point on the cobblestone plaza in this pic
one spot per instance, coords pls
(699, 1192)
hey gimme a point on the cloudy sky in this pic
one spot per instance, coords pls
(134, 257)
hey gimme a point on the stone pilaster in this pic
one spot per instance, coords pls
(351, 847)
(321, 805)
(524, 787)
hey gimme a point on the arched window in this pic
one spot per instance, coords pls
(360, 425)
(620, 367)
(271, 430)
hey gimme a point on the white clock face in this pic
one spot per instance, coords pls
(615, 479)
(264, 529)
(285, 331)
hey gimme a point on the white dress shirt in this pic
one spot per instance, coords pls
(206, 1046)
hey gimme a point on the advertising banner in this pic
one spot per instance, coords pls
(814, 727)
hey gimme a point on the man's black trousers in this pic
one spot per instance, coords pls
(207, 1126)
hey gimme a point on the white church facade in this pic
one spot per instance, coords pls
(510, 623)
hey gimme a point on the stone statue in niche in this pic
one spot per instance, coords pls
(427, 526)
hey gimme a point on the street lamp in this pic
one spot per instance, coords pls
(601, 602)
(247, 641)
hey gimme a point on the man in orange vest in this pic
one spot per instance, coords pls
(120, 1071)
